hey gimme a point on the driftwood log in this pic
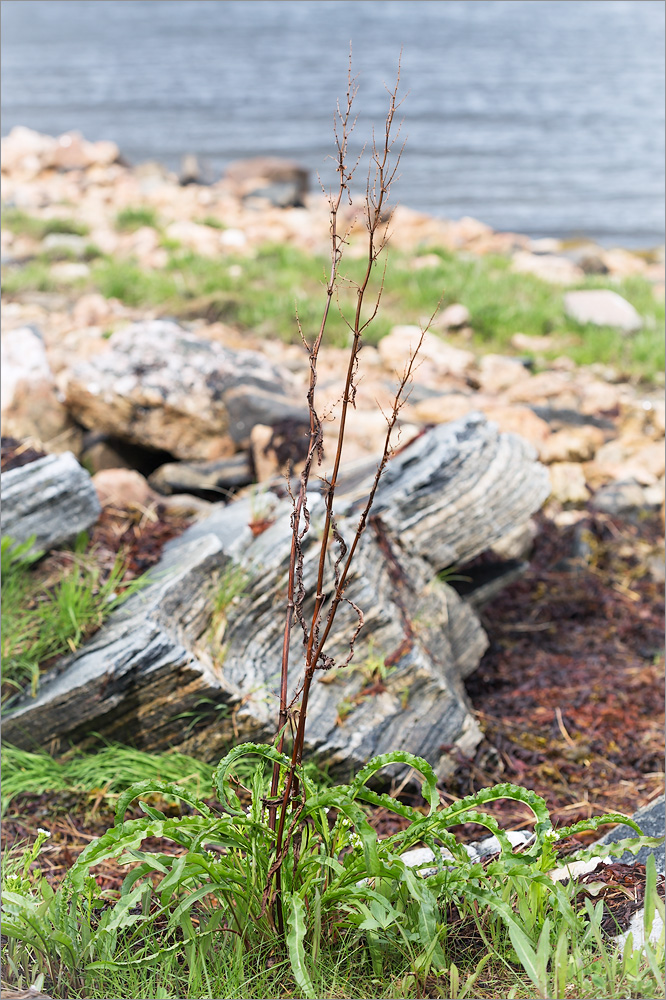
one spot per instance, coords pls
(52, 499)
(193, 660)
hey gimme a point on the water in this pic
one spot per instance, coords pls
(539, 117)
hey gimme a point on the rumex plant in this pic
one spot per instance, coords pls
(284, 861)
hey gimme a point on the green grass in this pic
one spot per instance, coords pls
(280, 279)
(366, 925)
(23, 224)
(130, 219)
(261, 294)
(44, 618)
(110, 769)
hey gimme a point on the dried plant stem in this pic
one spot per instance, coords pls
(381, 175)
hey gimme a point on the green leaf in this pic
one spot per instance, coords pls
(295, 945)
(221, 781)
(428, 788)
(527, 957)
(152, 787)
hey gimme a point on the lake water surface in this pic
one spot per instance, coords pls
(538, 116)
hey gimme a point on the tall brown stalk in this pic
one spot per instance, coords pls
(283, 807)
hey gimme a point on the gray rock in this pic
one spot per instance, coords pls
(652, 821)
(53, 499)
(184, 477)
(283, 182)
(602, 307)
(65, 245)
(159, 386)
(626, 497)
(169, 670)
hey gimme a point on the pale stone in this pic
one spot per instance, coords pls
(124, 488)
(568, 483)
(92, 310)
(540, 387)
(533, 345)
(517, 543)
(440, 409)
(519, 420)
(158, 385)
(203, 240)
(572, 444)
(25, 149)
(397, 347)
(602, 307)
(548, 267)
(70, 271)
(453, 317)
(498, 372)
(31, 407)
(600, 397)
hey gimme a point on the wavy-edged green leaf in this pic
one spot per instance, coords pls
(128, 836)
(428, 788)
(506, 790)
(594, 822)
(386, 801)
(151, 787)
(220, 782)
(296, 945)
(613, 849)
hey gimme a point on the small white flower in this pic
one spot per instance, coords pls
(45, 833)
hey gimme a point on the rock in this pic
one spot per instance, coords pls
(440, 409)
(158, 385)
(101, 455)
(445, 498)
(31, 407)
(517, 543)
(70, 271)
(533, 345)
(192, 172)
(124, 488)
(539, 388)
(453, 317)
(280, 181)
(568, 483)
(573, 444)
(498, 373)
(548, 267)
(651, 819)
(92, 309)
(602, 307)
(519, 420)
(204, 240)
(72, 152)
(630, 458)
(53, 499)
(26, 150)
(589, 257)
(64, 244)
(620, 498)
(218, 476)
(396, 348)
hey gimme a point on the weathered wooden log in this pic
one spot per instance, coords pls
(53, 499)
(176, 667)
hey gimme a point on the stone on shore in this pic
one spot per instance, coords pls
(159, 386)
(602, 307)
(445, 498)
(52, 499)
(218, 476)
